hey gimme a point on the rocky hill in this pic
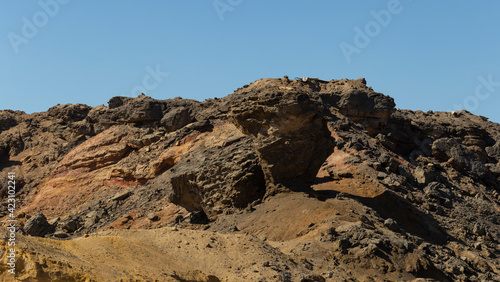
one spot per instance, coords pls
(283, 180)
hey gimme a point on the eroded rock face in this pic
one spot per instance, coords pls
(289, 133)
(353, 99)
(219, 179)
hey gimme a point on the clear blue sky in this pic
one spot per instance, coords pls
(430, 55)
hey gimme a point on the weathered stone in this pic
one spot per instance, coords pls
(73, 159)
(153, 216)
(387, 160)
(69, 224)
(218, 178)
(479, 229)
(37, 225)
(176, 118)
(69, 112)
(121, 195)
(391, 224)
(363, 105)
(416, 262)
(423, 175)
(463, 160)
(60, 234)
(142, 109)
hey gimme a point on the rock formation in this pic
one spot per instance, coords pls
(283, 180)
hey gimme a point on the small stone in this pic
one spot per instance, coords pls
(331, 231)
(70, 225)
(54, 221)
(121, 195)
(479, 229)
(364, 219)
(60, 234)
(391, 224)
(478, 245)
(152, 216)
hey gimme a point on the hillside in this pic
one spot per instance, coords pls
(283, 180)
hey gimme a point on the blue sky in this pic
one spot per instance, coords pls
(428, 55)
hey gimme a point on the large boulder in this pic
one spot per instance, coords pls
(37, 225)
(218, 179)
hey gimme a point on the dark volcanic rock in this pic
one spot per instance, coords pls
(37, 225)
(176, 118)
(448, 149)
(69, 112)
(218, 179)
(141, 110)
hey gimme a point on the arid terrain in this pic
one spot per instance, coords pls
(283, 180)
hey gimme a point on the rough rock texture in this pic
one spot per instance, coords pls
(219, 179)
(283, 180)
(462, 159)
(37, 225)
(289, 132)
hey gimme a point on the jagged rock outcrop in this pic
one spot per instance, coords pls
(289, 132)
(140, 111)
(362, 105)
